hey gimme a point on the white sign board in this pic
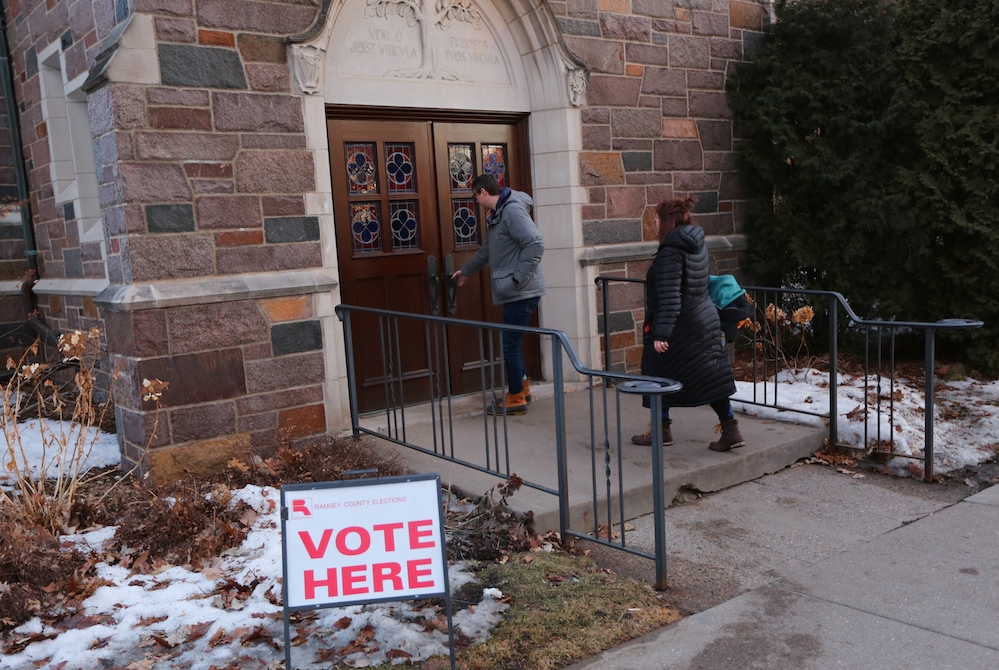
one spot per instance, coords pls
(363, 541)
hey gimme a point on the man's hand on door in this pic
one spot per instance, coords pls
(460, 278)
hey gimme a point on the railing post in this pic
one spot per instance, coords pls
(928, 413)
(561, 449)
(351, 382)
(607, 343)
(658, 495)
(655, 391)
(833, 370)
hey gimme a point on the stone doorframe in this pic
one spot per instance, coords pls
(549, 83)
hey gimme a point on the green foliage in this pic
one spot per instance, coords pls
(868, 142)
(949, 60)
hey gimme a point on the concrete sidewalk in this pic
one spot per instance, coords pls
(870, 573)
(805, 568)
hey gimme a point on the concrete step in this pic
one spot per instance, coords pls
(620, 479)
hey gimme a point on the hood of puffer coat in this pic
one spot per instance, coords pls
(687, 238)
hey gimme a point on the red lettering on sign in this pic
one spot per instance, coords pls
(300, 507)
(350, 579)
(341, 541)
(416, 533)
(413, 568)
(388, 529)
(316, 552)
(382, 572)
(311, 584)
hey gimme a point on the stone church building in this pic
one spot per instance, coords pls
(206, 180)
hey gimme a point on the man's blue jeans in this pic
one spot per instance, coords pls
(516, 313)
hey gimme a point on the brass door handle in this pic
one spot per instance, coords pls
(452, 285)
(434, 285)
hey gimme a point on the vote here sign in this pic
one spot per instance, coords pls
(363, 541)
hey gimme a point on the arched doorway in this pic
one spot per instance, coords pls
(445, 79)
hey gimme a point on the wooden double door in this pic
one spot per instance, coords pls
(406, 218)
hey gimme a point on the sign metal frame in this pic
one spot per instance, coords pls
(359, 483)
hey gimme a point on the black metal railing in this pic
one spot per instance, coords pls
(877, 338)
(425, 381)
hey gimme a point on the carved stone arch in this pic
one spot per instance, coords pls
(554, 77)
(547, 82)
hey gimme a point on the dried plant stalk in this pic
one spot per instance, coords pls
(45, 498)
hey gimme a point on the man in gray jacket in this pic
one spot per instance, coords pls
(513, 250)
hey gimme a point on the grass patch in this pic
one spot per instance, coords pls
(563, 608)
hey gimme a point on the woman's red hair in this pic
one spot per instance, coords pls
(672, 213)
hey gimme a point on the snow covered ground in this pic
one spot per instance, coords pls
(966, 421)
(226, 615)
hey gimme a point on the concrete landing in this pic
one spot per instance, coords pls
(526, 446)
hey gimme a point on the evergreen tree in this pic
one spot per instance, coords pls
(949, 59)
(869, 141)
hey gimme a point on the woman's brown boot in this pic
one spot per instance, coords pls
(645, 439)
(730, 436)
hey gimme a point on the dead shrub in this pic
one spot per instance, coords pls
(309, 464)
(33, 572)
(186, 524)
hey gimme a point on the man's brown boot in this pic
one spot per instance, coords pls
(730, 436)
(513, 403)
(645, 439)
(527, 390)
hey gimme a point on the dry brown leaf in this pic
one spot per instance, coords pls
(248, 516)
(272, 597)
(259, 634)
(212, 573)
(239, 465)
(220, 637)
(199, 630)
(150, 621)
(366, 634)
(327, 655)
(606, 533)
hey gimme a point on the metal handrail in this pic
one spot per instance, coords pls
(653, 386)
(836, 300)
(577, 363)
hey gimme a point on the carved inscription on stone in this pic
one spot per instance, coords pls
(401, 40)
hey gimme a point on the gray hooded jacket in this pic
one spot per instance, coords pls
(513, 250)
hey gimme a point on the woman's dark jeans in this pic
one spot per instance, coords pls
(516, 313)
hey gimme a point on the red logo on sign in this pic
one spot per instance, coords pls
(300, 508)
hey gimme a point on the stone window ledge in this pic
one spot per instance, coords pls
(643, 251)
(87, 288)
(208, 290)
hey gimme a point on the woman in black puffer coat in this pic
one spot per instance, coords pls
(682, 333)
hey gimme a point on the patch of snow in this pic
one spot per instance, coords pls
(144, 612)
(966, 413)
(36, 446)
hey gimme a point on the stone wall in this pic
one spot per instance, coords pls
(205, 174)
(657, 126)
(201, 172)
(243, 375)
(34, 25)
